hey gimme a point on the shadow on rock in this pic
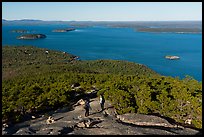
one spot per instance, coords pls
(66, 130)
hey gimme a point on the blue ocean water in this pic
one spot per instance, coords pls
(99, 42)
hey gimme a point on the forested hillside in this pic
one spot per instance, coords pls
(36, 80)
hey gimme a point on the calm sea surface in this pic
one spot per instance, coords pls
(100, 42)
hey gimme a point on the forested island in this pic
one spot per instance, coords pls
(32, 36)
(63, 30)
(36, 80)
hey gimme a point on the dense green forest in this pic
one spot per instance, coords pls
(36, 79)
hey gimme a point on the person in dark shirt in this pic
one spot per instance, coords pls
(87, 107)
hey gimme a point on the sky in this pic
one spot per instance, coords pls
(103, 11)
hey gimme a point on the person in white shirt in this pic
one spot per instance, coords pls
(102, 101)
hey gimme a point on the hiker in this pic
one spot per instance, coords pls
(87, 107)
(102, 101)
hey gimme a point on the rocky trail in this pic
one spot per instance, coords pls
(73, 122)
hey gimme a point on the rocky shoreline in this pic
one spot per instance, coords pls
(172, 57)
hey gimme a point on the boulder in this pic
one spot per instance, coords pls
(81, 102)
(50, 120)
(144, 120)
(25, 131)
(88, 122)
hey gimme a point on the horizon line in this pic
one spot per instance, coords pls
(94, 20)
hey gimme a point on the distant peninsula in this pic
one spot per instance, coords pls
(170, 30)
(19, 31)
(63, 30)
(31, 36)
(140, 26)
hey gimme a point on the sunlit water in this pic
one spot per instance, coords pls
(100, 42)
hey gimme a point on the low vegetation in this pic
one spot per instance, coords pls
(36, 80)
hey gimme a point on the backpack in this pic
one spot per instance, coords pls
(86, 105)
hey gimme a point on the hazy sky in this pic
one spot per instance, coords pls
(103, 11)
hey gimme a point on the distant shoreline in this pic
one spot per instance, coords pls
(179, 27)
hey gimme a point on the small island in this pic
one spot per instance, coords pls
(32, 36)
(19, 31)
(172, 57)
(63, 30)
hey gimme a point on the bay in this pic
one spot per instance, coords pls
(100, 42)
